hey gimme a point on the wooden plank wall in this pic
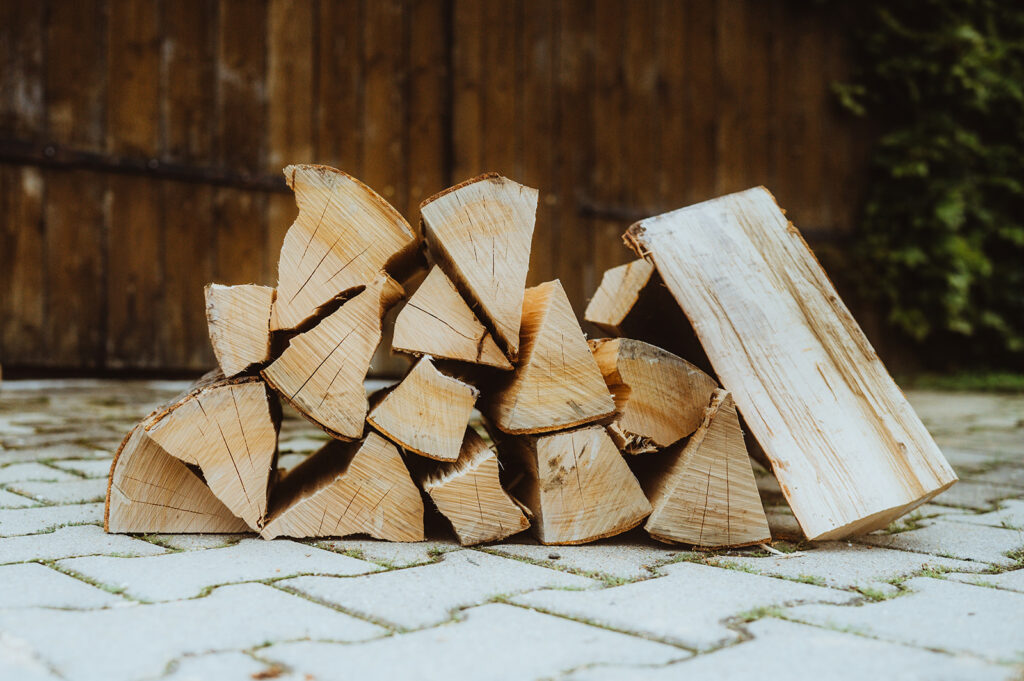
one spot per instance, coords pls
(141, 141)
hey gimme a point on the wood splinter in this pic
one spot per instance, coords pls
(239, 325)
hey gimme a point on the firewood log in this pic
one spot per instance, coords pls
(437, 321)
(239, 325)
(321, 372)
(427, 413)
(480, 232)
(344, 236)
(704, 492)
(348, 488)
(576, 484)
(659, 397)
(557, 383)
(469, 494)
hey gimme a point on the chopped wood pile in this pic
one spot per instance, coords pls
(574, 440)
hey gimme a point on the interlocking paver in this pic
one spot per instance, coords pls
(23, 472)
(17, 521)
(1009, 515)
(783, 651)
(393, 554)
(63, 450)
(226, 665)
(95, 468)
(12, 500)
(138, 642)
(493, 642)
(980, 496)
(1013, 580)
(67, 542)
(1008, 475)
(197, 542)
(940, 615)
(66, 492)
(424, 595)
(28, 585)
(951, 539)
(184, 575)
(686, 606)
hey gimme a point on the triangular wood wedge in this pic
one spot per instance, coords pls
(469, 493)
(705, 493)
(229, 429)
(239, 325)
(151, 491)
(321, 372)
(557, 383)
(576, 484)
(659, 397)
(437, 321)
(344, 235)
(348, 488)
(427, 413)
(480, 233)
(617, 295)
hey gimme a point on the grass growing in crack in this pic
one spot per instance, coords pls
(810, 579)
(876, 595)
(759, 613)
(1017, 556)
(910, 522)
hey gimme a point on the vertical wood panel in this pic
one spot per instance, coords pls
(340, 80)
(468, 33)
(384, 132)
(428, 94)
(23, 272)
(76, 60)
(22, 30)
(189, 74)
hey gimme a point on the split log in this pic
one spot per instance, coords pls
(557, 383)
(469, 494)
(229, 429)
(151, 491)
(239, 325)
(427, 413)
(437, 321)
(659, 398)
(576, 484)
(348, 488)
(480, 233)
(705, 492)
(322, 370)
(849, 452)
(344, 236)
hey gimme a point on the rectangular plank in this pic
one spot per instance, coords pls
(22, 109)
(428, 104)
(340, 70)
(847, 448)
(189, 74)
(76, 65)
(22, 266)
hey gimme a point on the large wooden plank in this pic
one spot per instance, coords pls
(849, 451)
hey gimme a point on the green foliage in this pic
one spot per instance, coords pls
(942, 239)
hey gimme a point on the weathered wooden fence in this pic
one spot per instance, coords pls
(141, 141)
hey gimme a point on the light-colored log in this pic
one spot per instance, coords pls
(151, 491)
(239, 324)
(344, 236)
(617, 294)
(659, 397)
(229, 429)
(427, 412)
(348, 488)
(480, 233)
(322, 370)
(557, 383)
(849, 451)
(469, 494)
(704, 492)
(437, 321)
(576, 484)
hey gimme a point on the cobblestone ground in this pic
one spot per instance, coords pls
(939, 595)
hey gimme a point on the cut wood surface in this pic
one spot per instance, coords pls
(437, 321)
(344, 236)
(239, 322)
(480, 233)
(229, 429)
(557, 383)
(322, 370)
(469, 494)
(847, 448)
(617, 295)
(659, 397)
(576, 484)
(151, 491)
(427, 412)
(348, 488)
(704, 492)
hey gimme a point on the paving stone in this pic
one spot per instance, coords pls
(951, 539)
(963, 411)
(999, 444)
(784, 525)
(286, 462)
(77, 540)
(17, 521)
(782, 651)
(980, 496)
(966, 460)
(1012, 580)
(19, 662)
(63, 450)
(31, 585)
(686, 606)
(140, 641)
(66, 492)
(228, 665)
(303, 443)
(424, 595)
(846, 565)
(393, 554)
(1009, 515)
(1007, 475)
(495, 642)
(940, 615)
(23, 472)
(96, 468)
(12, 500)
(185, 575)
(197, 542)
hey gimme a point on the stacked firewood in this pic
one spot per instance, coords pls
(578, 441)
